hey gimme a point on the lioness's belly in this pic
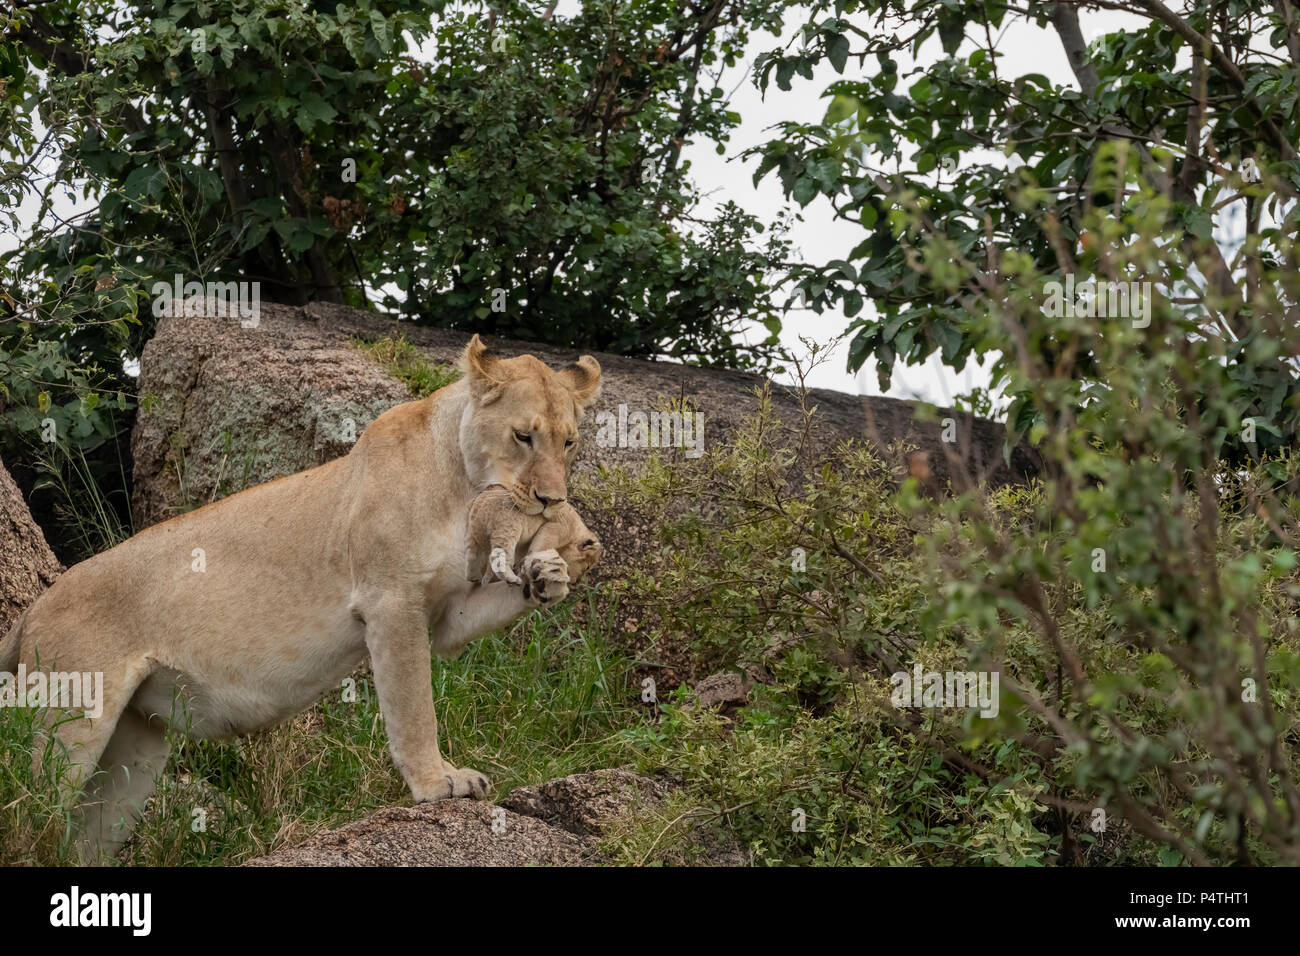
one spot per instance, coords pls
(256, 679)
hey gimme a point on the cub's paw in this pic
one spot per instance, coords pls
(546, 577)
(499, 562)
(455, 782)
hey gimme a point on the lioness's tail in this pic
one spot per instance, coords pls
(10, 645)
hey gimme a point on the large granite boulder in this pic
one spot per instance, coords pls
(224, 407)
(27, 566)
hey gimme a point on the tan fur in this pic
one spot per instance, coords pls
(302, 578)
(498, 530)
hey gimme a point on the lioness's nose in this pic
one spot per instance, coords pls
(546, 502)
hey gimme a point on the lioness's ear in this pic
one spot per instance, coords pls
(583, 379)
(479, 364)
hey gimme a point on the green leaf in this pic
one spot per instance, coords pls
(805, 190)
(952, 30)
(143, 182)
(837, 51)
(312, 110)
(379, 26)
(841, 108)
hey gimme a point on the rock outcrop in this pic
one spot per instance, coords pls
(27, 566)
(448, 833)
(558, 823)
(224, 407)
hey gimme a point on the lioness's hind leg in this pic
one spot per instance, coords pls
(129, 769)
(83, 738)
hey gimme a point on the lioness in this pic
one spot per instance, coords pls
(248, 610)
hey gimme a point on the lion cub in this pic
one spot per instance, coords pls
(497, 529)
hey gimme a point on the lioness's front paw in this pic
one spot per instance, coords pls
(546, 577)
(499, 562)
(455, 782)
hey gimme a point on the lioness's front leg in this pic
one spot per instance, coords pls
(398, 640)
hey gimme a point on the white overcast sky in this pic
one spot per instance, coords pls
(817, 236)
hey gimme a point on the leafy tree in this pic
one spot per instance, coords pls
(1202, 97)
(479, 166)
(524, 180)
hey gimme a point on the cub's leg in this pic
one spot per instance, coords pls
(499, 562)
(129, 769)
(504, 539)
(398, 640)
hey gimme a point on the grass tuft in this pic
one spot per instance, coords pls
(406, 363)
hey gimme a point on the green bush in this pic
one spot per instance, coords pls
(1121, 691)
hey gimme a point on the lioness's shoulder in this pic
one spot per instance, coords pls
(401, 423)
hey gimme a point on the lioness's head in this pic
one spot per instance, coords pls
(520, 429)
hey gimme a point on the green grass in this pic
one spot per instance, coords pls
(547, 699)
(34, 828)
(87, 520)
(407, 364)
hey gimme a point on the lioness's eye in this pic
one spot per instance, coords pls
(526, 439)
(570, 443)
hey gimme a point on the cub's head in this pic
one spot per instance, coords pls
(582, 554)
(520, 428)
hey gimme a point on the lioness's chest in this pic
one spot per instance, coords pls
(444, 566)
